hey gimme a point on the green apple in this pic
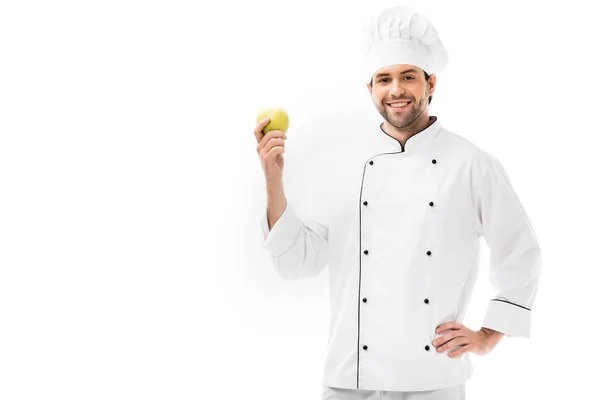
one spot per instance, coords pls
(278, 119)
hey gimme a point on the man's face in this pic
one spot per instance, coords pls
(397, 84)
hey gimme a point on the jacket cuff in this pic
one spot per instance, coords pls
(508, 318)
(283, 234)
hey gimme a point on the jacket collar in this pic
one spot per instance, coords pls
(390, 144)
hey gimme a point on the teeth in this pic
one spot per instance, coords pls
(398, 105)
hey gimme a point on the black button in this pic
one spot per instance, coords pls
(427, 348)
(365, 202)
(433, 161)
(365, 347)
(426, 301)
(365, 300)
(431, 203)
(371, 162)
(366, 251)
(428, 253)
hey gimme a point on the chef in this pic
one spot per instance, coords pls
(401, 238)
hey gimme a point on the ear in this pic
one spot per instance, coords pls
(370, 88)
(431, 83)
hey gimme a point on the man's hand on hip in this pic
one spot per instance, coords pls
(478, 342)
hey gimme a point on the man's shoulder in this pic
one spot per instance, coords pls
(463, 145)
(466, 153)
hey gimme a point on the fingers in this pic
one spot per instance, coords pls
(270, 139)
(447, 337)
(269, 155)
(448, 325)
(269, 146)
(453, 343)
(259, 127)
(272, 146)
(460, 338)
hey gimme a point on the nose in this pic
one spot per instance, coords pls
(397, 88)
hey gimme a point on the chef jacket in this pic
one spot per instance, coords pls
(401, 243)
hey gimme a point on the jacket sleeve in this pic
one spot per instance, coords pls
(515, 257)
(298, 248)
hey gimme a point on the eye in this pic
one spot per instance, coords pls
(410, 77)
(383, 79)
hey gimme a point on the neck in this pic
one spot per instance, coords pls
(402, 134)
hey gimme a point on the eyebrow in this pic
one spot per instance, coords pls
(379, 75)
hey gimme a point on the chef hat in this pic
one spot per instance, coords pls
(400, 35)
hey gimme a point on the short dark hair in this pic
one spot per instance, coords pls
(426, 79)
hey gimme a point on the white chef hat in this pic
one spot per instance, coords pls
(401, 35)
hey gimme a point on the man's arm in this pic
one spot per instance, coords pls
(515, 257)
(298, 247)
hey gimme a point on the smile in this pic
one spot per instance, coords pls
(399, 106)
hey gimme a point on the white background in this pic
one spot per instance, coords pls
(131, 192)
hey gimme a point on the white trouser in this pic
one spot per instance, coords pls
(452, 393)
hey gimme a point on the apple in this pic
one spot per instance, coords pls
(278, 119)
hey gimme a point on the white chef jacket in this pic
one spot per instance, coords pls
(400, 238)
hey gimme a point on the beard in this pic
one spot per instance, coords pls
(405, 117)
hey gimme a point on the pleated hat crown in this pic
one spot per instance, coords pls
(401, 35)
